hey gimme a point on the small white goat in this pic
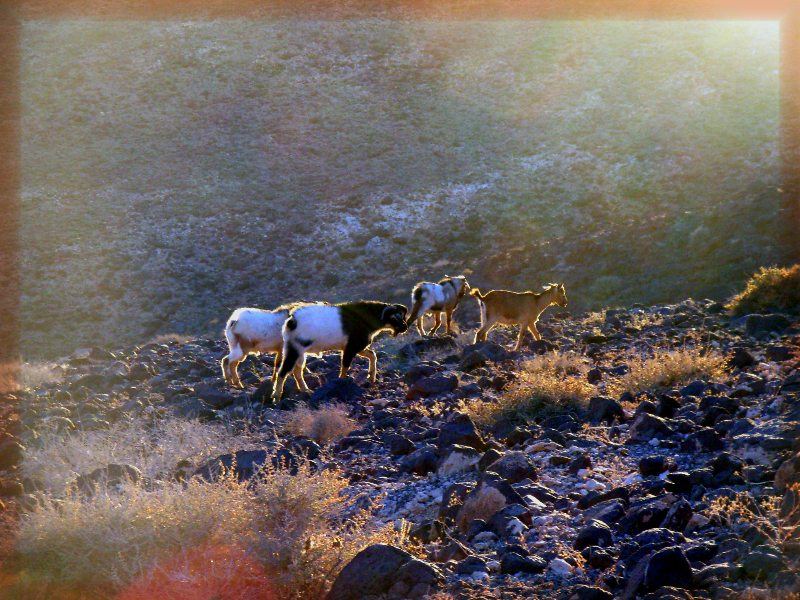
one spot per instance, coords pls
(349, 328)
(437, 298)
(253, 331)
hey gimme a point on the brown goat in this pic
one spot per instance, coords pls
(510, 308)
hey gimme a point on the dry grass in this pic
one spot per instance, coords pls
(482, 504)
(769, 289)
(550, 382)
(323, 425)
(34, 375)
(167, 338)
(280, 536)
(57, 458)
(668, 368)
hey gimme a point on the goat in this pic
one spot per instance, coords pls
(253, 331)
(349, 327)
(524, 308)
(437, 297)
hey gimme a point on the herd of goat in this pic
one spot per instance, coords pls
(293, 330)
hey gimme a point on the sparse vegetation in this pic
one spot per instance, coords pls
(545, 384)
(37, 374)
(668, 368)
(769, 289)
(324, 425)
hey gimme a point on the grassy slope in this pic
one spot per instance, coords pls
(174, 171)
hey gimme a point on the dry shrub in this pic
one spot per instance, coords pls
(546, 383)
(281, 535)
(765, 514)
(37, 374)
(769, 289)
(58, 457)
(167, 338)
(667, 368)
(111, 539)
(324, 425)
(481, 504)
(303, 536)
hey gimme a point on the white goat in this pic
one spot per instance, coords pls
(253, 331)
(437, 298)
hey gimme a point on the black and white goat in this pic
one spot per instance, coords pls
(437, 298)
(349, 328)
(253, 331)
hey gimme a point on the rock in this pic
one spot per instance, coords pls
(419, 347)
(762, 564)
(597, 558)
(788, 473)
(741, 358)
(489, 457)
(596, 533)
(213, 397)
(427, 532)
(605, 410)
(491, 351)
(341, 389)
(111, 476)
(668, 567)
(705, 439)
(460, 430)
(470, 565)
(779, 353)
(420, 462)
(594, 375)
(431, 386)
(247, 463)
(695, 388)
(380, 568)
(513, 562)
(678, 515)
(587, 592)
(10, 453)
(645, 514)
(398, 445)
(560, 567)
(762, 325)
(542, 346)
(515, 466)
(457, 459)
(646, 426)
(656, 464)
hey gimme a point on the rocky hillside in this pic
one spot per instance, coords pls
(678, 486)
(175, 171)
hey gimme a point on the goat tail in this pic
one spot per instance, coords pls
(477, 293)
(415, 308)
(230, 334)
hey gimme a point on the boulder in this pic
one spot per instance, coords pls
(457, 459)
(646, 427)
(513, 562)
(383, 569)
(514, 467)
(341, 389)
(668, 567)
(460, 430)
(432, 386)
(245, 464)
(596, 533)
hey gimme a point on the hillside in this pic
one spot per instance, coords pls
(633, 449)
(174, 171)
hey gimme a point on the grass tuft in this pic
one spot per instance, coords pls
(324, 425)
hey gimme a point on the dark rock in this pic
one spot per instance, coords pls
(586, 592)
(778, 353)
(516, 563)
(398, 445)
(656, 464)
(678, 515)
(420, 462)
(213, 397)
(645, 514)
(419, 371)
(597, 558)
(427, 532)
(594, 375)
(703, 440)
(10, 453)
(581, 461)
(419, 347)
(668, 567)
(488, 458)
(595, 533)
(457, 459)
(431, 386)
(542, 346)
(695, 388)
(762, 325)
(470, 565)
(514, 467)
(341, 389)
(646, 426)
(378, 569)
(110, 475)
(247, 463)
(460, 430)
(741, 358)
(762, 564)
